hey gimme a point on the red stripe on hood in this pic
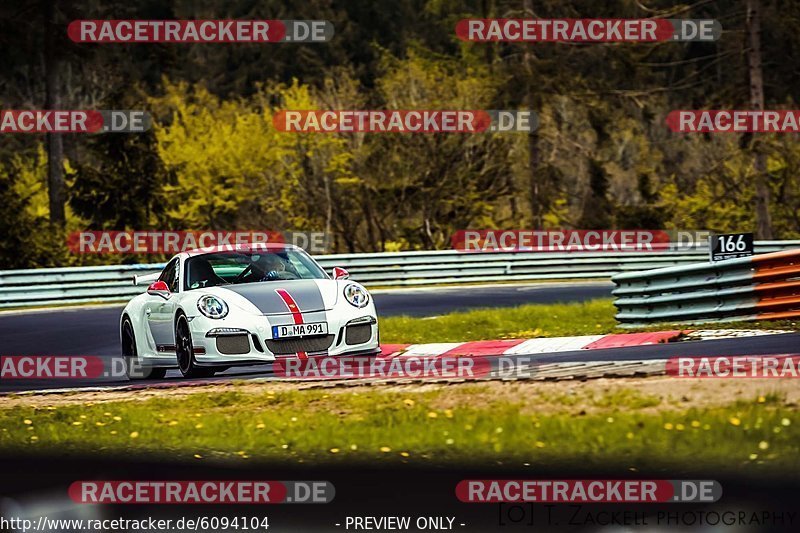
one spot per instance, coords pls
(297, 316)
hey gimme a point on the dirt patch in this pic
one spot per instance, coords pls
(641, 394)
(48, 399)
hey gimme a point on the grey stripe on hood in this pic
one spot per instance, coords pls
(262, 294)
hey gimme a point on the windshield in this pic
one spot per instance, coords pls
(225, 268)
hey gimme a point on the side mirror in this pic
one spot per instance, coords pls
(340, 273)
(147, 279)
(159, 288)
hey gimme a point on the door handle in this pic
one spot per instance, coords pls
(148, 311)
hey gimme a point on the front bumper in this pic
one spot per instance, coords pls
(248, 340)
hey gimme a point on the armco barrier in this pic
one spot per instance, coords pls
(761, 287)
(58, 286)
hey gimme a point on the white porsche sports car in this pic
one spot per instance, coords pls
(219, 307)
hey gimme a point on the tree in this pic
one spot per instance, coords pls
(762, 196)
(55, 143)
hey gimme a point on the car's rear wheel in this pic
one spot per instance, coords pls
(185, 351)
(134, 368)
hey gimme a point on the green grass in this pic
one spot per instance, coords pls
(435, 426)
(527, 321)
(594, 317)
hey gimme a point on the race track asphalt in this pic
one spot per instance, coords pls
(93, 331)
(757, 345)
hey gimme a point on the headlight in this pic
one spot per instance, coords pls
(212, 307)
(356, 296)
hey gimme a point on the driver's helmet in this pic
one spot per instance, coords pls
(271, 265)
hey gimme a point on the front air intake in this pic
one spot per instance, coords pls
(308, 344)
(358, 334)
(233, 344)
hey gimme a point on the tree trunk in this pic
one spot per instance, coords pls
(534, 185)
(537, 209)
(55, 142)
(763, 219)
(487, 9)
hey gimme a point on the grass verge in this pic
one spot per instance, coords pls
(527, 321)
(594, 317)
(483, 424)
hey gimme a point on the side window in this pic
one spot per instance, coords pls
(170, 275)
(299, 268)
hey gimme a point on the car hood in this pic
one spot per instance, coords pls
(270, 297)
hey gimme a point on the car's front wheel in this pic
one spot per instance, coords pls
(134, 368)
(185, 351)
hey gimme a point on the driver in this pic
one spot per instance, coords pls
(271, 266)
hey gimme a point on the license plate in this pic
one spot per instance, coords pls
(299, 330)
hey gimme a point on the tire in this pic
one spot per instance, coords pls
(133, 367)
(184, 351)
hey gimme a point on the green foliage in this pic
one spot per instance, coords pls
(28, 237)
(602, 156)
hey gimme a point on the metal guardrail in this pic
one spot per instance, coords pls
(761, 287)
(58, 286)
